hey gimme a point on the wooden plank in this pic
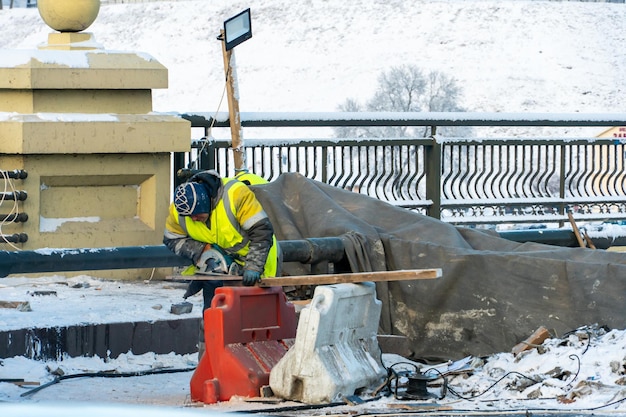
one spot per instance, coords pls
(20, 305)
(203, 277)
(579, 238)
(589, 241)
(379, 276)
(10, 304)
(534, 340)
(325, 279)
(18, 381)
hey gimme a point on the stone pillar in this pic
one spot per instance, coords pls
(78, 119)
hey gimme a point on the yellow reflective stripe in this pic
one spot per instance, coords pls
(228, 208)
(183, 223)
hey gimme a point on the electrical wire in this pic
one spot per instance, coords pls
(455, 393)
(206, 140)
(499, 412)
(588, 341)
(573, 356)
(446, 387)
(101, 374)
(8, 184)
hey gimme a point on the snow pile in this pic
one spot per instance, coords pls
(507, 56)
(583, 370)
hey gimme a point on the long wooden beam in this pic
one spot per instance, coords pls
(323, 279)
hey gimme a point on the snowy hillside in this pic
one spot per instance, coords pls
(508, 56)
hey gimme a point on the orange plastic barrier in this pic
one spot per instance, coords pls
(247, 331)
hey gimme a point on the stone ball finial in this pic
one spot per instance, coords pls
(68, 15)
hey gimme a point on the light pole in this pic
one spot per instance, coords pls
(237, 29)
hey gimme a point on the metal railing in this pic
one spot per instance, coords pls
(466, 181)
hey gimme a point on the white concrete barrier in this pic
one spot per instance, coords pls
(336, 351)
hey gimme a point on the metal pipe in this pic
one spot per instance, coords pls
(313, 250)
(559, 237)
(88, 259)
(14, 195)
(323, 119)
(17, 174)
(547, 236)
(14, 238)
(309, 251)
(14, 217)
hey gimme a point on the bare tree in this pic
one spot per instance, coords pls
(407, 89)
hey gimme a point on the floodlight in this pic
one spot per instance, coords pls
(237, 29)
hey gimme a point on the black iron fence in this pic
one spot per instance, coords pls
(465, 181)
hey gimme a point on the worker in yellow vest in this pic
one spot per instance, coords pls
(210, 213)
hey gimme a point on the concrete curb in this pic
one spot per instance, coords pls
(107, 340)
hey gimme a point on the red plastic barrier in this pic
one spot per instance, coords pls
(247, 331)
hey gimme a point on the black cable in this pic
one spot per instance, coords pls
(301, 407)
(101, 374)
(446, 387)
(461, 411)
(605, 405)
(525, 409)
(404, 363)
(290, 408)
(491, 386)
(573, 356)
(387, 382)
(499, 412)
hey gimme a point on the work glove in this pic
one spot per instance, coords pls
(251, 277)
(193, 288)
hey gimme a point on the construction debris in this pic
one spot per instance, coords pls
(181, 308)
(534, 340)
(18, 305)
(41, 293)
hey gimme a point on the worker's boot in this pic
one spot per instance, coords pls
(201, 348)
(201, 344)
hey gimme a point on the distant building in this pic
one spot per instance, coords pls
(618, 132)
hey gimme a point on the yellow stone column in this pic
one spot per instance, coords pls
(78, 119)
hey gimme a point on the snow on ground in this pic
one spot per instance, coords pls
(84, 299)
(580, 371)
(507, 56)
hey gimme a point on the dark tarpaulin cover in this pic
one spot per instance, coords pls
(494, 293)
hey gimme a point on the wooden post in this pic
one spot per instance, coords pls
(589, 241)
(233, 105)
(579, 238)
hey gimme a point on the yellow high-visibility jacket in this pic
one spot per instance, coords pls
(230, 226)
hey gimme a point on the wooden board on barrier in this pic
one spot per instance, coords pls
(323, 279)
